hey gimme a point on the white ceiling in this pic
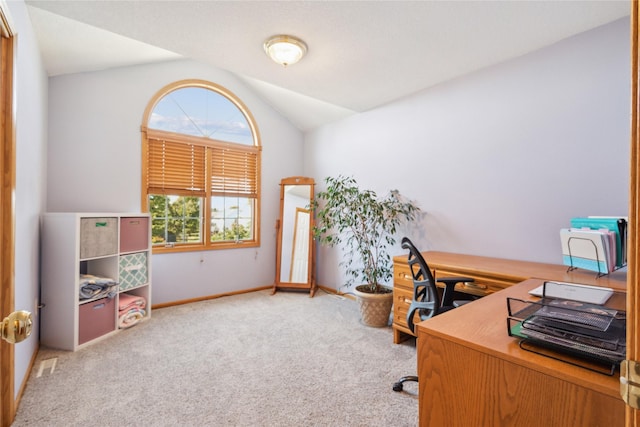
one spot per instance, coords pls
(362, 54)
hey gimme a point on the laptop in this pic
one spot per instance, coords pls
(573, 291)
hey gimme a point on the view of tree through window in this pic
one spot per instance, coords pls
(201, 167)
(175, 219)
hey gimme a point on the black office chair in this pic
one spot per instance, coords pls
(426, 300)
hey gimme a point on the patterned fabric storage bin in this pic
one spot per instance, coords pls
(98, 237)
(133, 270)
(134, 234)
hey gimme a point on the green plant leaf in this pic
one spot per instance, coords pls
(364, 224)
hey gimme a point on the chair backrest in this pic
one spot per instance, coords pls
(426, 300)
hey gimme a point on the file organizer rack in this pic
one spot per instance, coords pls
(574, 261)
(596, 257)
(600, 351)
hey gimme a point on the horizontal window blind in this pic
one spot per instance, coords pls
(234, 172)
(180, 167)
(176, 168)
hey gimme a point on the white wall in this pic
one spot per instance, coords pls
(500, 159)
(31, 124)
(94, 166)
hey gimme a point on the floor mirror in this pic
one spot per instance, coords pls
(295, 266)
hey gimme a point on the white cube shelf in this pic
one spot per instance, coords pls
(106, 245)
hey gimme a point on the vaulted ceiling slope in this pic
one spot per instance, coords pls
(362, 54)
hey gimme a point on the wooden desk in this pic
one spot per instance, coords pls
(490, 274)
(472, 373)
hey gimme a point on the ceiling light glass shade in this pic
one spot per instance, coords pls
(285, 50)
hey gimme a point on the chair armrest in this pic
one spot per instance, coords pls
(461, 302)
(449, 287)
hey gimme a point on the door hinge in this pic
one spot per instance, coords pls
(630, 383)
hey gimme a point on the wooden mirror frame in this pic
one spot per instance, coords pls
(289, 236)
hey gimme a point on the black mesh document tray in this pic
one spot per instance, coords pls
(593, 336)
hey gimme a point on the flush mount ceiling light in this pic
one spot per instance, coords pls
(285, 50)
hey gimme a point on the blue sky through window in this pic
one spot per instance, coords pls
(201, 112)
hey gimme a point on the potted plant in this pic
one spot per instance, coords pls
(365, 225)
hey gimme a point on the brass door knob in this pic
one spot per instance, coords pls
(17, 326)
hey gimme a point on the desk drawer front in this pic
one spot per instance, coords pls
(401, 304)
(402, 277)
(483, 285)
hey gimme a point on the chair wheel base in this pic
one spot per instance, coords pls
(397, 387)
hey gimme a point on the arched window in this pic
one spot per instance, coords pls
(200, 169)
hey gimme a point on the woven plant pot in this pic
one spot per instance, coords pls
(375, 309)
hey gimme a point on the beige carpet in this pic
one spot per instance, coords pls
(245, 360)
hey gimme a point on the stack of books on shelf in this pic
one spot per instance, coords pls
(595, 243)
